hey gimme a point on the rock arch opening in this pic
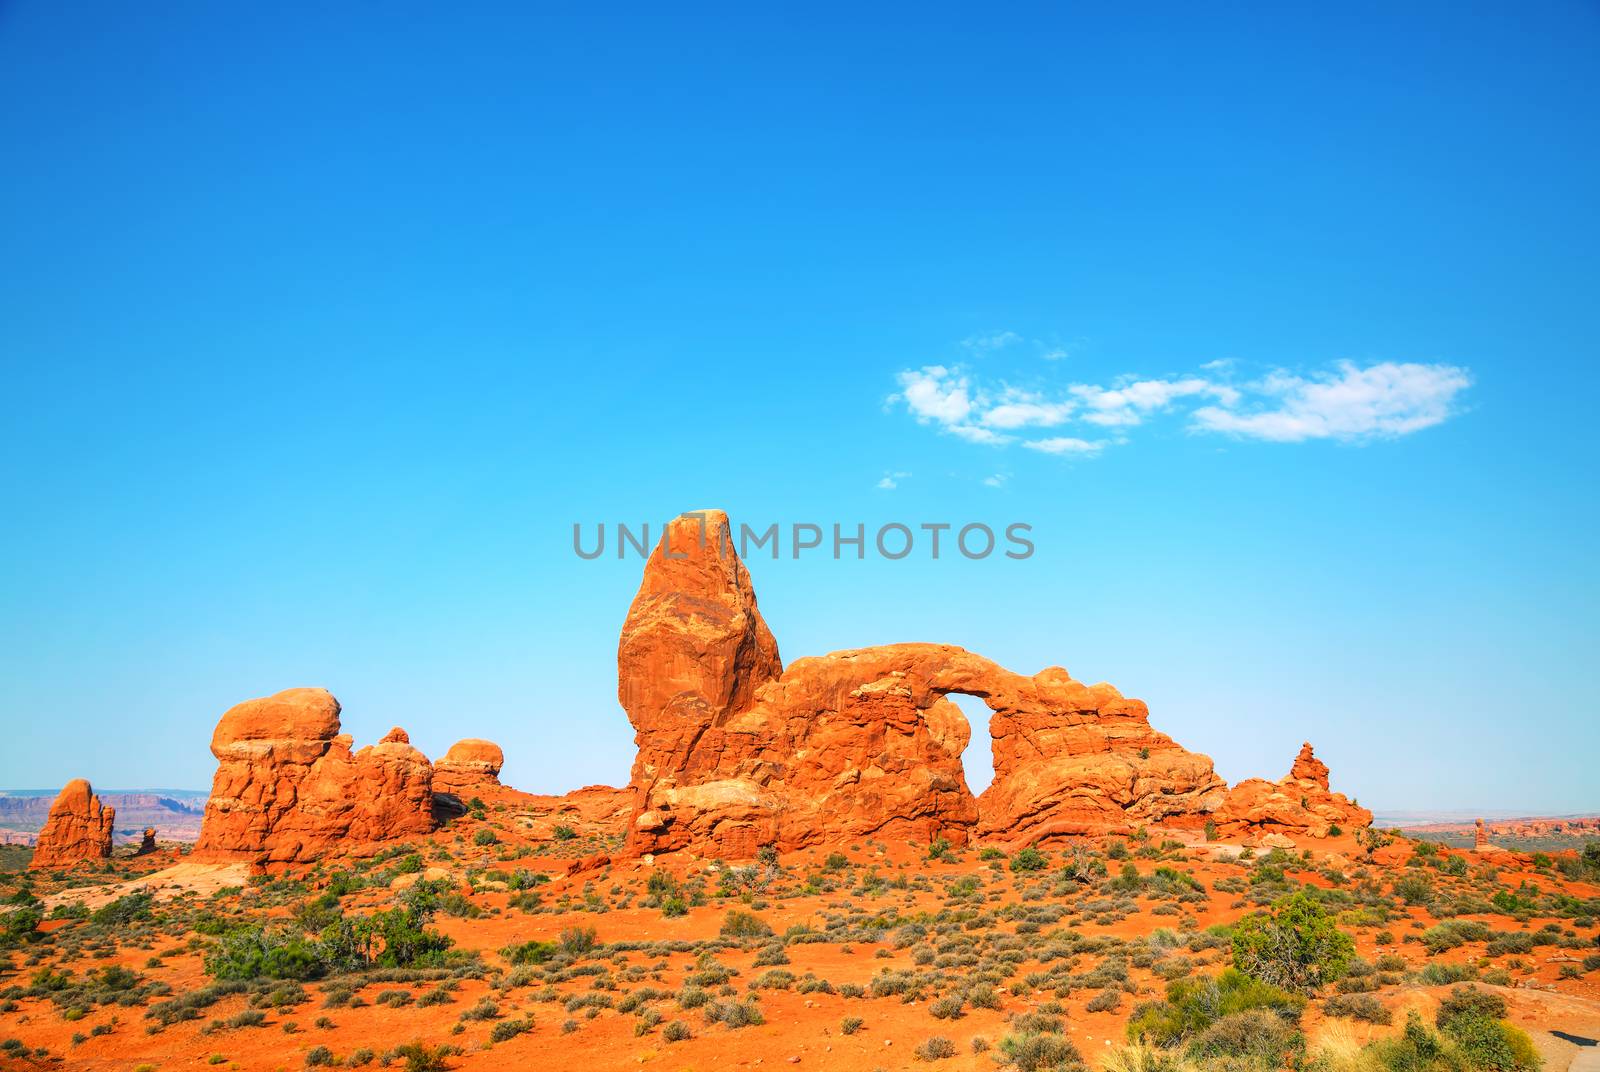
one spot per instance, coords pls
(977, 759)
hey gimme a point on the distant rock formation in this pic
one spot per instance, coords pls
(1481, 843)
(289, 790)
(178, 818)
(469, 766)
(1301, 804)
(737, 752)
(148, 844)
(77, 830)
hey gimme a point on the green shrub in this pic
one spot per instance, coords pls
(1297, 946)
(576, 941)
(1437, 973)
(1254, 1039)
(255, 952)
(741, 924)
(734, 1014)
(1036, 1053)
(420, 1057)
(1105, 1001)
(936, 1048)
(530, 952)
(125, 910)
(1414, 889)
(510, 1029)
(1195, 1004)
(19, 926)
(1029, 859)
(1362, 1007)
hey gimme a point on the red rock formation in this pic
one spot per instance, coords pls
(1480, 837)
(1302, 804)
(288, 789)
(77, 829)
(736, 752)
(148, 844)
(694, 648)
(470, 765)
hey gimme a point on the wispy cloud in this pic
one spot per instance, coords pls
(988, 342)
(1020, 410)
(1130, 403)
(1347, 402)
(891, 481)
(1066, 445)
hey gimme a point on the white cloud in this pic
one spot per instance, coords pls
(1380, 401)
(1066, 445)
(991, 341)
(996, 481)
(1025, 410)
(891, 481)
(1347, 402)
(974, 434)
(1129, 403)
(935, 393)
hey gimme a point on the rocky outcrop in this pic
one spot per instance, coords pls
(469, 766)
(289, 790)
(147, 844)
(736, 752)
(78, 829)
(1302, 804)
(694, 647)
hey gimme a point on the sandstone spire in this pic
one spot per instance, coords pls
(77, 829)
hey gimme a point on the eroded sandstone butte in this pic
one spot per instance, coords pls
(469, 766)
(78, 829)
(1302, 803)
(289, 790)
(736, 751)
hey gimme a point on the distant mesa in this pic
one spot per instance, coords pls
(77, 831)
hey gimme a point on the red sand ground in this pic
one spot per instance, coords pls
(802, 1029)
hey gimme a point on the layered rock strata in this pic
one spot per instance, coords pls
(288, 789)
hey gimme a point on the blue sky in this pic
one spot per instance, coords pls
(323, 327)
